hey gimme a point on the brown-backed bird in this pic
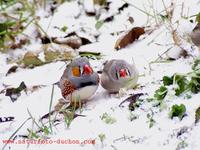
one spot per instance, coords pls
(79, 82)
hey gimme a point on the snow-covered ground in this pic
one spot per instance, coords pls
(124, 133)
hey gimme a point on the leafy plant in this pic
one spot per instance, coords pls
(64, 28)
(182, 83)
(151, 120)
(181, 145)
(178, 111)
(194, 85)
(107, 118)
(68, 117)
(91, 55)
(102, 137)
(161, 93)
(132, 116)
(167, 80)
(196, 64)
(185, 82)
(197, 115)
(32, 134)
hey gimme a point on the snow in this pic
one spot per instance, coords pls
(123, 134)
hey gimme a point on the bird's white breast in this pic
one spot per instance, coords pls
(84, 93)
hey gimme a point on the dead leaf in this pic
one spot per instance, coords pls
(34, 88)
(31, 60)
(51, 55)
(73, 41)
(6, 119)
(19, 44)
(89, 8)
(129, 37)
(45, 40)
(14, 93)
(131, 20)
(12, 70)
(132, 100)
(54, 52)
(84, 40)
(125, 5)
(99, 2)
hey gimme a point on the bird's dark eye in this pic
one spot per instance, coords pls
(76, 71)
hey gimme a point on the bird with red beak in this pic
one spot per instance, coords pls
(116, 74)
(78, 82)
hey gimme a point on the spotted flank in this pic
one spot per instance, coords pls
(67, 89)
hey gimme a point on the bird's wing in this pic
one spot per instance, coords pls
(67, 88)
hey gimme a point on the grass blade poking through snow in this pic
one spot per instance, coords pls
(50, 106)
(15, 132)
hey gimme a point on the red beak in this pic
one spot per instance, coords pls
(87, 69)
(122, 73)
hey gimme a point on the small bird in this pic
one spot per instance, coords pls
(195, 35)
(118, 74)
(78, 82)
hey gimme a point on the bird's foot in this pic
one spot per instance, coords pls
(62, 104)
(122, 92)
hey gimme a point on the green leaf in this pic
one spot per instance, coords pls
(46, 130)
(6, 25)
(178, 111)
(161, 93)
(32, 134)
(151, 121)
(99, 24)
(194, 85)
(102, 137)
(182, 145)
(91, 55)
(182, 83)
(68, 117)
(64, 28)
(196, 64)
(164, 17)
(197, 115)
(168, 80)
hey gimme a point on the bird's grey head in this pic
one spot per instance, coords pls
(119, 69)
(80, 73)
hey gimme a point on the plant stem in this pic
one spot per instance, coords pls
(50, 106)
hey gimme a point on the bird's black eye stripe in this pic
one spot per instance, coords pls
(128, 72)
(117, 75)
(80, 70)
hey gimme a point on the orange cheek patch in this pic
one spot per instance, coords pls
(76, 71)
